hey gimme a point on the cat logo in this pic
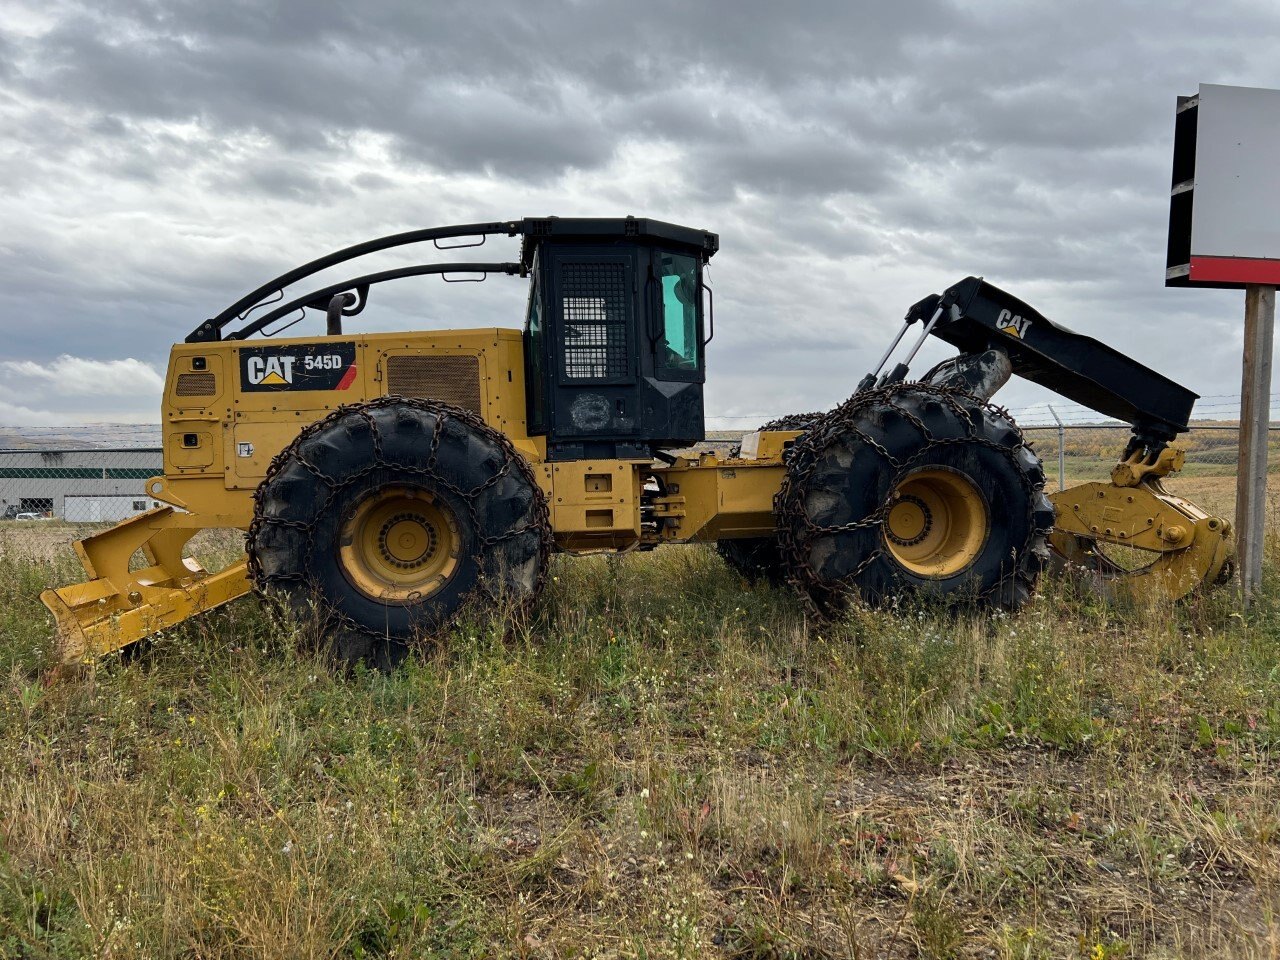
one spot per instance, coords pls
(301, 366)
(270, 371)
(1012, 324)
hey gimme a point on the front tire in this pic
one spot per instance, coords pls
(386, 518)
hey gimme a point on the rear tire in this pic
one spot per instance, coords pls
(385, 519)
(760, 558)
(918, 490)
(755, 558)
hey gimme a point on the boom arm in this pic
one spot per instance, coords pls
(977, 316)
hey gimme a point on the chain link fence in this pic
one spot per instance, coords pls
(50, 497)
(1074, 453)
(1078, 453)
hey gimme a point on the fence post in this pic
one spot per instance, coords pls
(1062, 449)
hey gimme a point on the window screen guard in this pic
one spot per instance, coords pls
(594, 305)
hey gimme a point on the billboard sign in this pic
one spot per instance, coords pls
(1224, 213)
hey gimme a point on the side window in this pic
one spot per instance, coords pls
(679, 347)
(535, 361)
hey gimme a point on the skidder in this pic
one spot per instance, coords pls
(385, 480)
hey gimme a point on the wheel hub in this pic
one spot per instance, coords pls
(399, 545)
(937, 523)
(407, 541)
(910, 521)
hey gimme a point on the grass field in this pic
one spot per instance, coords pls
(662, 762)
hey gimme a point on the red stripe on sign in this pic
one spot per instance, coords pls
(1235, 270)
(348, 378)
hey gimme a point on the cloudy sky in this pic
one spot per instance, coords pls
(158, 159)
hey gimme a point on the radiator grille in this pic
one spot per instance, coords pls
(454, 380)
(195, 385)
(594, 310)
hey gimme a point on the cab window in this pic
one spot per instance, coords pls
(679, 347)
(535, 362)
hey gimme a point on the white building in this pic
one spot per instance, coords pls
(77, 484)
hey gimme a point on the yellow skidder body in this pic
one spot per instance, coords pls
(219, 442)
(385, 480)
(220, 436)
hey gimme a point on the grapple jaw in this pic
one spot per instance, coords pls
(1172, 548)
(117, 606)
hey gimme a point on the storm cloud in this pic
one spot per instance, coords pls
(160, 158)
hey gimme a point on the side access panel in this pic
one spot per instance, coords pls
(595, 504)
(280, 388)
(231, 406)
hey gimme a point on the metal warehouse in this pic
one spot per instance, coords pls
(41, 481)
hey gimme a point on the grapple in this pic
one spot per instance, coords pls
(1130, 537)
(1133, 539)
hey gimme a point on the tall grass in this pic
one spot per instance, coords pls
(663, 761)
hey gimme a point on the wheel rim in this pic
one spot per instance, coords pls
(937, 523)
(400, 545)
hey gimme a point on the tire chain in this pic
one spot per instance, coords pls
(839, 424)
(512, 460)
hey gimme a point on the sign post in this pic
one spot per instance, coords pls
(1255, 420)
(1224, 232)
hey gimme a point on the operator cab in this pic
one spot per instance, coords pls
(615, 335)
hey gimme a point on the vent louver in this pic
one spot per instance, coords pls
(195, 385)
(454, 380)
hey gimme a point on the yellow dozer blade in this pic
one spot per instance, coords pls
(117, 606)
(1135, 540)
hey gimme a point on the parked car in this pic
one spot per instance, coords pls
(31, 516)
